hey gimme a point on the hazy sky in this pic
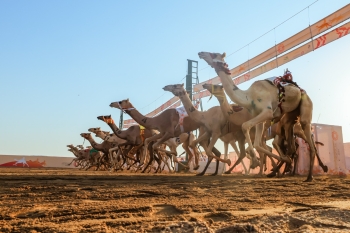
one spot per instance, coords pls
(63, 62)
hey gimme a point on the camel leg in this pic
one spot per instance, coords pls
(235, 148)
(258, 122)
(305, 121)
(258, 144)
(160, 141)
(205, 168)
(242, 153)
(301, 135)
(226, 153)
(147, 141)
(151, 157)
(208, 150)
(110, 155)
(186, 145)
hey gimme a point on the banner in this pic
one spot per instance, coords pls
(308, 33)
(20, 161)
(302, 50)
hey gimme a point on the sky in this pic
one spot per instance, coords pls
(63, 62)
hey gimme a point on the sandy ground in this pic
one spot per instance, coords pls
(62, 200)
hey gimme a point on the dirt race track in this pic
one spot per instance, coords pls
(58, 200)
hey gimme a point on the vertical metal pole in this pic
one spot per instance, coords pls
(189, 78)
(121, 120)
(189, 84)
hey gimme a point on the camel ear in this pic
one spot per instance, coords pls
(109, 115)
(182, 84)
(224, 55)
(127, 100)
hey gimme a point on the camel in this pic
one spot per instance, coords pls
(90, 155)
(213, 120)
(116, 141)
(167, 123)
(103, 147)
(265, 103)
(134, 136)
(237, 116)
(280, 132)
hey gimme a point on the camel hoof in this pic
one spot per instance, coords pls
(228, 161)
(272, 174)
(309, 179)
(227, 172)
(200, 174)
(196, 167)
(214, 174)
(325, 169)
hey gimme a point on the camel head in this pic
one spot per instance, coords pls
(94, 130)
(108, 119)
(101, 134)
(212, 58)
(214, 89)
(122, 105)
(176, 89)
(86, 135)
(70, 146)
(215, 60)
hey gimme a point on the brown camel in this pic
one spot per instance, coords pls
(214, 122)
(116, 141)
(134, 136)
(103, 147)
(265, 104)
(86, 154)
(167, 123)
(280, 132)
(237, 116)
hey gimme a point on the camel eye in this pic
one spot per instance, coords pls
(120, 102)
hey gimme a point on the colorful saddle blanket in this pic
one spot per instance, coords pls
(142, 133)
(282, 81)
(182, 114)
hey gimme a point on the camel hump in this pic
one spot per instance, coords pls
(237, 108)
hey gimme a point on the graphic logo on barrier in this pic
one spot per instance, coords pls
(23, 163)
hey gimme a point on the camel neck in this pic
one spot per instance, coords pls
(190, 109)
(236, 95)
(139, 118)
(224, 105)
(119, 133)
(75, 151)
(94, 144)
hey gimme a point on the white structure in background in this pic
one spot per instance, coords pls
(347, 155)
(332, 153)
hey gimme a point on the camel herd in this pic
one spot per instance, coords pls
(278, 110)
